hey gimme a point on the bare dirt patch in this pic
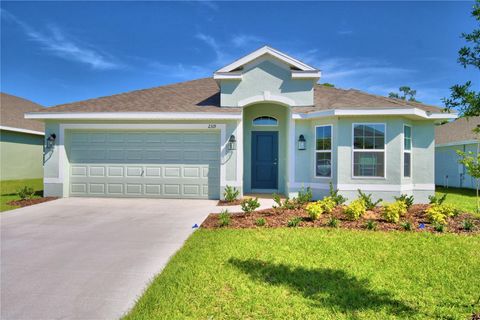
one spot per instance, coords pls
(30, 202)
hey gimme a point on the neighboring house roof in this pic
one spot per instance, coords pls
(457, 132)
(203, 95)
(12, 114)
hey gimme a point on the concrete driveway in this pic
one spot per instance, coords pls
(87, 258)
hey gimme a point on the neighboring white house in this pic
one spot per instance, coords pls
(450, 137)
(262, 124)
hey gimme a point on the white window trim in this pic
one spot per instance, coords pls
(315, 151)
(264, 125)
(384, 150)
(407, 151)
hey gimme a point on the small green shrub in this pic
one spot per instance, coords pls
(407, 226)
(304, 196)
(25, 192)
(355, 209)
(393, 211)
(314, 210)
(231, 193)
(367, 199)
(338, 198)
(224, 218)
(371, 225)
(438, 213)
(467, 225)
(405, 198)
(333, 222)
(294, 222)
(287, 204)
(249, 205)
(439, 227)
(277, 200)
(260, 222)
(434, 199)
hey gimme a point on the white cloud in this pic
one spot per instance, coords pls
(55, 41)
(180, 71)
(245, 40)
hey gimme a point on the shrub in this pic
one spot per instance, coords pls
(407, 226)
(439, 227)
(405, 198)
(393, 211)
(328, 204)
(371, 225)
(286, 204)
(25, 192)
(467, 225)
(249, 205)
(437, 199)
(294, 222)
(367, 199)
(260, 222)
(314, 210)
(333, 222)
(224, 218)
(339, 199)
(355, 209)
(231, 194)
(304, 196)
(438, 213)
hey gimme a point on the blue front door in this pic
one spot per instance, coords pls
(264, 160)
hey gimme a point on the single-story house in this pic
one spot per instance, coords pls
(21, 140)
(261, 124)
(450, 137)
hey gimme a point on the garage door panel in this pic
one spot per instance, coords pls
(145, 164)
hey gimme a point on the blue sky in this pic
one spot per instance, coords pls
(58, 52)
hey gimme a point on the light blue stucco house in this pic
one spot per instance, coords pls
(261, 124)
(450, 138)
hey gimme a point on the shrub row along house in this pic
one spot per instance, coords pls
(451, 137)
(261, 124)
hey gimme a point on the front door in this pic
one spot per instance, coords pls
(264, 160)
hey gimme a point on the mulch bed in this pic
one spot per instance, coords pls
(278, 218)
(229, 203)
(30, 202)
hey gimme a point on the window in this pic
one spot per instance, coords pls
(369, 150)
(265, 121)
(323, 151)
(407, 151)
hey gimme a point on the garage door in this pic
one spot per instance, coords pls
(173, 164)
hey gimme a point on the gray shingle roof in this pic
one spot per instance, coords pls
(458, 130)
(203, 95)
(13, 109)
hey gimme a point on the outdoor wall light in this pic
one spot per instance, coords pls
(51, 140)
(232, 143)
(302, 143)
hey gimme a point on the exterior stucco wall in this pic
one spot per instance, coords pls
(266, 75)
(20, 155)
(446, 165)
(281, 113)
(54, 187)
(393, 184)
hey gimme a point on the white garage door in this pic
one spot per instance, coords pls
(173, 164)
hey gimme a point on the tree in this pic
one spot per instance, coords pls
(471, 161)
(462, 97)
(406, 94)
(326, 84)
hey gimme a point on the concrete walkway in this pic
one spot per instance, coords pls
(84, 258)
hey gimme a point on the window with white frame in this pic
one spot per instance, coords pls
(323, 151)
(407, 151)
(265, 121)
(369, 150)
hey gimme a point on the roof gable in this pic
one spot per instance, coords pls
(299, 69)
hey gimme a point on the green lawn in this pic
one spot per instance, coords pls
(316, 274)
(463, 199)
(9, 188)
